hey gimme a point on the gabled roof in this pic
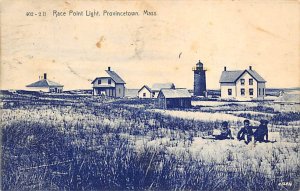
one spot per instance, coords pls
(113, 75)
(175, 93)
(159, 86)
(145, 86)
(256, 76)
(44, 83)
(233, 76)
(230, 76)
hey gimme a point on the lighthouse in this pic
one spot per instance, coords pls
(199, 80)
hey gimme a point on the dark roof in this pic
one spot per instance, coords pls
(255, 75)
(113, 75)
(233, 76)
(175, 93)
(44, 83)
(159, 86)
(145, 86)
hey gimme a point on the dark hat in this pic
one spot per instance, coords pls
(246, 121)
(225, 123)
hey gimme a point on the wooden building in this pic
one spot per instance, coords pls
(145, 92)
(45, 85)
(109, 84)
(174, 98)
(242, 85)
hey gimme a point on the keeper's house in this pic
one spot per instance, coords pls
(242, 85)
(45, 85)
(109, 84)
(174, 98)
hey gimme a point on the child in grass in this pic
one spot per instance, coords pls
(225, 132)
(246, 132)
(261, 134)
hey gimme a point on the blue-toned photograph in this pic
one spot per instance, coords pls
(150, 95)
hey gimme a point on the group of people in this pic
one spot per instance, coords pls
(246, 133)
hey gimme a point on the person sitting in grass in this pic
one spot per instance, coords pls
(261, 134)
(225, 132)
(246, 132)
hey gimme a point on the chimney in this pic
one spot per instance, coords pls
(45, 76)
(224, 68)
(250, 67)
(108, 68)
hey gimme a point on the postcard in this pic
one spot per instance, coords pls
(150, 95)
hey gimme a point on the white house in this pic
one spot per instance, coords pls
(45, 85)
(145, 92)
(109, 84)
(158, 86)
(242, 85)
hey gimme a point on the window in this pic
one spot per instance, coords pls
(144, 94)
(229, 91)
(263, 91)
(251, 91)
(250, 81)
(281, 106)
(99, 81)
(258, 91)
(109, 81)
(242, 91)
(242, 81)
(119, 90)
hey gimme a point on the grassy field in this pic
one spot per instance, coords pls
(72, 142)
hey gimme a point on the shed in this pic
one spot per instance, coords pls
(174, 98)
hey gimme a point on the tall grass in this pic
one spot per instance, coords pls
(94, 148)
(47, 161)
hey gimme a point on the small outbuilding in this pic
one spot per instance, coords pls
(145, 92)
(174, 98)
(45, 85)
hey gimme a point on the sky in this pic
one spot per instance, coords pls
(73, 50)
